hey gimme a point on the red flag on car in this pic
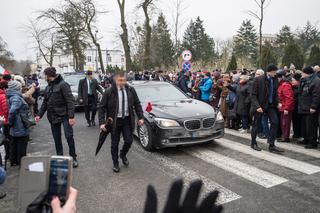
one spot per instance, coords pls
(149, 106)
(3, 71)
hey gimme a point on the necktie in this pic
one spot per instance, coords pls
(123, 110)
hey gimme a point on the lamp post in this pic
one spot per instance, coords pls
(96, 51)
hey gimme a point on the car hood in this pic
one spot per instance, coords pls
(181, 109)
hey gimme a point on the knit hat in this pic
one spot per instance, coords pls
(272, 67)
(308, 70)
(50, 72)
(14, 85)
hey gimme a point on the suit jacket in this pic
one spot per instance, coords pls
(260, 93)
(109, 106)
(83, 90)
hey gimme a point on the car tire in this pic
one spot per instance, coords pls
(145, 137)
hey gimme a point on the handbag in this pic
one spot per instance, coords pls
(27, 120)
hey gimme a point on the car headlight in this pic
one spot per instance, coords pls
(166, 123)
(219, 116)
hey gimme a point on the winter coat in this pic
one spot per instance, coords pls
(309, 94)
(109, 106)
(232, 95)
(3, 106)
(58, 101)
(224, 108)
(206, 89)
(242, 103)
(260, 94)
(286, 96)
(182, 83)
(17, 107)
(83, 90)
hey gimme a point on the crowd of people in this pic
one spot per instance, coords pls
(265, 103)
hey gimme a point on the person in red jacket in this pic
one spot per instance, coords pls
(286, 104)
(3, 102)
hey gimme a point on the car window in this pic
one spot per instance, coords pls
(157, 93)
(73, 80)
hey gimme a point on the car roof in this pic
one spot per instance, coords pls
(147, 83)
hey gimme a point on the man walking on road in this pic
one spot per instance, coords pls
(120, 103)
(88, 96)
(264, 101)
(59, 104)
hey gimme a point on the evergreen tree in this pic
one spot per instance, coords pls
(268, 55)
(246, 42)
(314, 57)
(308, 36)
(284, 37)
(198, 41)
(232, 64)
(293, 55)
(162, 46)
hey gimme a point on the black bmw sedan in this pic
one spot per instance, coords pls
(175, 119)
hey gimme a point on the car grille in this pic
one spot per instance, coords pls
(192, 124)
(208, 123)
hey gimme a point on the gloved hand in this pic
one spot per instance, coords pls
(188, 204)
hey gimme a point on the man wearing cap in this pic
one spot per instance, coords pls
(88, 95)
(264, 101)
(59, 104)
(308, 106)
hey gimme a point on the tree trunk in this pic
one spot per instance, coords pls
(147, 47)
(124, 36)
(260, 36)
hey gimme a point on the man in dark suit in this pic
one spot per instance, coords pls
(120, 103)
(88, 96)
(264, 101)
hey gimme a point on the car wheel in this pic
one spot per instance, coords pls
(145, 137)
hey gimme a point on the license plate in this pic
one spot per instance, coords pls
(202, 133)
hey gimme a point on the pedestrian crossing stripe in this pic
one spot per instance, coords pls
(248, 172)
(287, 146)
(178, 170)
(293, 164)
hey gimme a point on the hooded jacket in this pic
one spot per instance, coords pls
(286, 96)
(206, 89)
(17, 107)
(58, 101)
(309, 94)
(3, 106)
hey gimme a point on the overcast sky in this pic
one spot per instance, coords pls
(222, 18)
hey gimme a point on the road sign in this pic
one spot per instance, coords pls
(186, 55)
(186, 65)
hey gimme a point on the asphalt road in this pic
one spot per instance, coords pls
(248, 181)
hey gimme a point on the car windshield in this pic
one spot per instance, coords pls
(73, 80)
(157, 93)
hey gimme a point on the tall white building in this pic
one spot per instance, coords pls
(64, 63)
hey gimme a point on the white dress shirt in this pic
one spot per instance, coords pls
(126, 108)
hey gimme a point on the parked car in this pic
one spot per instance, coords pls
(175, 119)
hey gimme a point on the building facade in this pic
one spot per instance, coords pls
(64, 63)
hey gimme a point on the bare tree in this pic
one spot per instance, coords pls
(178, 21)
(44, 38)
(124, 36)
(262, 4)
(145, 5)
(89, 14)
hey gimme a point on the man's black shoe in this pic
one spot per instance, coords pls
(116, 168)
(75, 163)
(311, 146)
(125, 160)
(93, 123)
(275, 149)
(2, 195)
(256, 147)
(89, 124)
(284, 140)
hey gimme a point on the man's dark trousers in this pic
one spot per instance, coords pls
(68, 132)
(91, 107)
(271, 113)
(310, 128)
(124, 127)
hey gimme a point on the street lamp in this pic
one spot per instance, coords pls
(96, 51)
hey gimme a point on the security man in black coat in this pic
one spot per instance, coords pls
(58, 102)
(308, 106)
(264, 101)
(88, 95)
(120, 103)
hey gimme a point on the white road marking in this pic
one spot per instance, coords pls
(253, 174)
(287, 146)
(178, 170)
(273, 158)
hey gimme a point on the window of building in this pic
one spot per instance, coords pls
(122, 60)
(89, 58)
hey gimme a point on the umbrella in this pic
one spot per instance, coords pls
(103, 135)
(3, 71)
